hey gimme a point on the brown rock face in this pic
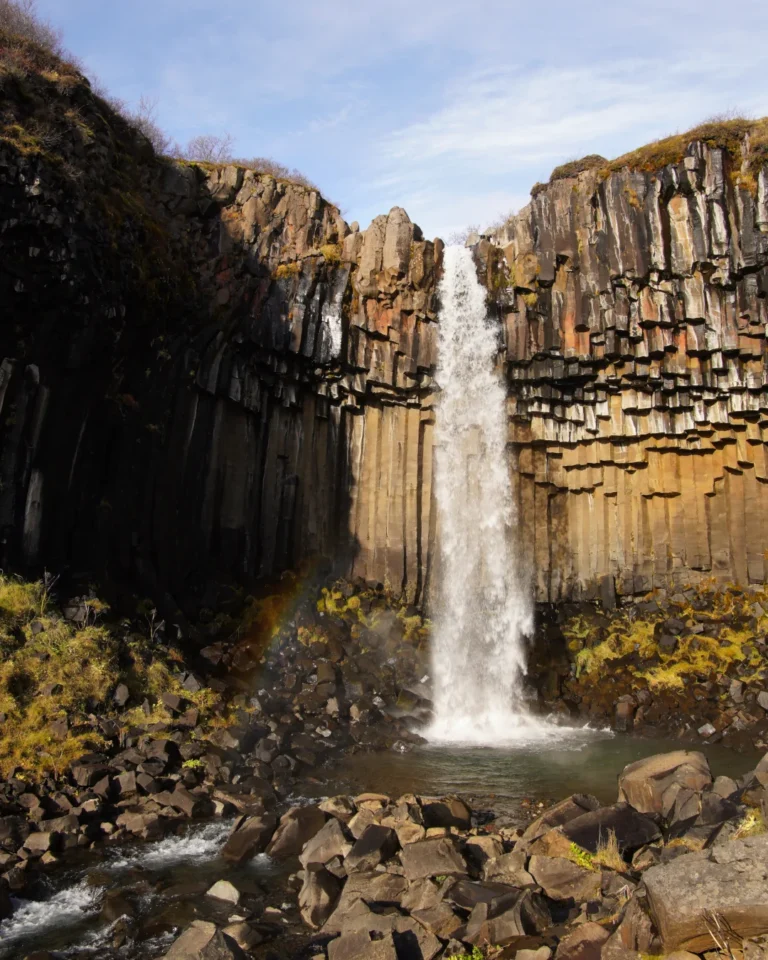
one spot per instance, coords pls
(634, 311)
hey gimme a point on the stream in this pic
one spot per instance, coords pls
(76, 908)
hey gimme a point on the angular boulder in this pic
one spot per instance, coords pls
(432, 858)
(329, 842)
(375, 846)
(354, 946)
(449, 812)
(204, 941)
(722, 889)
(249, 836)
(296, 828)
(561, 879)
(583, 943)
(318, 896)
(631, 829)
(568, 809)
(643, 784)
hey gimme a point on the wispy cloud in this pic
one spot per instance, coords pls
(451, 109)
(505, 125)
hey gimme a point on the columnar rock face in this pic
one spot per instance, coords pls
(634, 309)
(206, 374)
(204, 371)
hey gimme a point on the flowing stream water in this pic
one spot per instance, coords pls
(484, 611)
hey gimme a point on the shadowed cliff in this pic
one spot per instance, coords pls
(205, 373)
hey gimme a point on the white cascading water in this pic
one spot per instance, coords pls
(483, 610)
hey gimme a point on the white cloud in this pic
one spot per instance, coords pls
(450, 109)
(500, 128)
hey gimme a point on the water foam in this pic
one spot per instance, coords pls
(33, 918)
(484, 611)
(195, 846)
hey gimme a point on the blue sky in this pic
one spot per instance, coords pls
(452, 110)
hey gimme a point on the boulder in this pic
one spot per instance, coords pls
(355, 946)
(204, 941)
(341, 807)
(328, 842)
(725, 889)
(432, 858)
(318, 896)
(249, 836)
(243, 934)
(634, 934)
(296, 827)
(508, 868)
(644, 783)
(632, 829)
(479, 850)
(411, 939)
(450, 812)
(375, 846)
(224, 890)
(439, 920)
(568, 809)
(507, 919)
(381, 889)
(561, 879)
(583, 943)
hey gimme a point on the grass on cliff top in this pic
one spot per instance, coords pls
(52, 670)
(728, 133)
(632, 639)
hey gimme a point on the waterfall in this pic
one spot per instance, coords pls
(483, 611)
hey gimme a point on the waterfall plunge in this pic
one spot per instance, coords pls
(483, 610)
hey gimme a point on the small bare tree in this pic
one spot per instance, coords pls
(145, 120)
(210, 148)
(21, 18)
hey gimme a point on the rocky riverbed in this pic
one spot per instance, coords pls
(129, 840)
(677, 863)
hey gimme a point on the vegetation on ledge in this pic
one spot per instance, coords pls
(59, 676)
(744, 139)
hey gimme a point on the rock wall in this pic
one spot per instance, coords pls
(205, 373)
(634, 311)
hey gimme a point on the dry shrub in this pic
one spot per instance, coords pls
(609, 855)
(20, 18)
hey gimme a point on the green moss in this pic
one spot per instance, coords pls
(741, 138)
(476, 954)
(753, 824)
(633, 641)
(286, 270)
(581, 857)
(52, 669)
(331, 252)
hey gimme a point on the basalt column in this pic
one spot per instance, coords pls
(634, 305)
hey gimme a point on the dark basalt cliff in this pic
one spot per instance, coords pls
(205, 372)
(207, 375)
